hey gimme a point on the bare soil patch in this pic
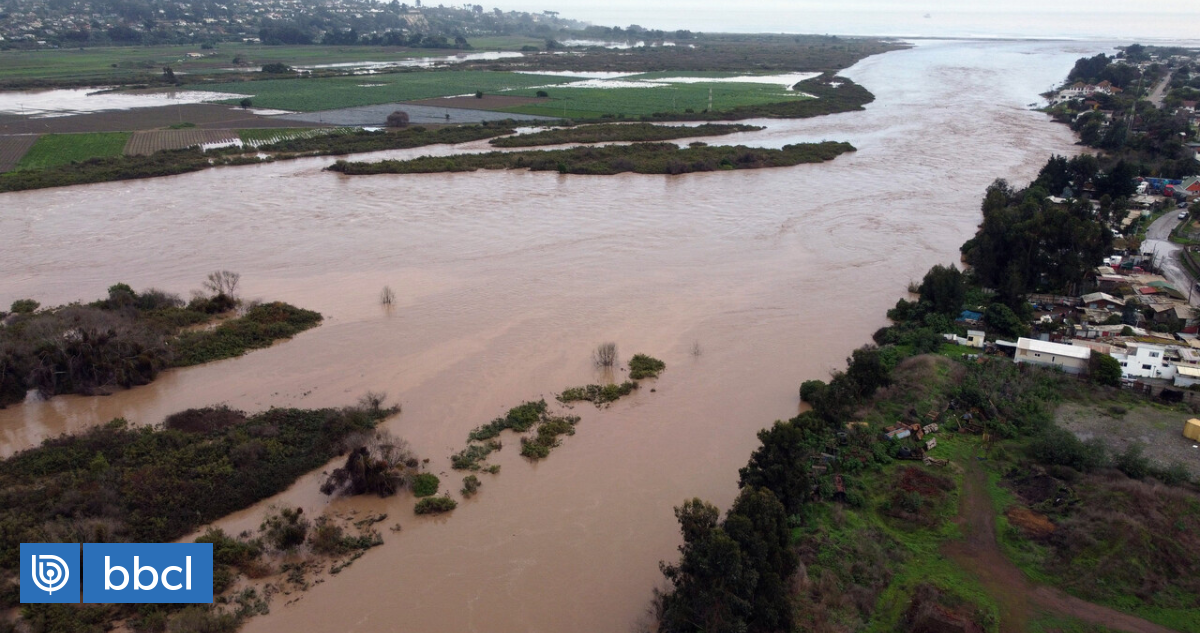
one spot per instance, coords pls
(12, 148)
(1160, 431)
(488, 102)
(146, 142)
(204, 115)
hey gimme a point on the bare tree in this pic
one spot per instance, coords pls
(222, 282)
(386, 296)
(378, 463)
(605, 355)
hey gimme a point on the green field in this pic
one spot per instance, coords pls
(591, 103)
(60, 149)
(310, 95)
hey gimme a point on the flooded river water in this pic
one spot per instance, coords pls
(507, 281)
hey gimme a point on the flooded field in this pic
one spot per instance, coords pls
(506, 281)
(72, 101)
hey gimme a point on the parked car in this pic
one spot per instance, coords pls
(1183, 215)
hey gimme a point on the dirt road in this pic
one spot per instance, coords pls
(1017, 597)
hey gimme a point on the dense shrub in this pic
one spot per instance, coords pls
(261, 326)
(435, 505)
(643, 366)
(598, 394)
(425, 485)
(1060, 447)
(286, 529)
(520, 418)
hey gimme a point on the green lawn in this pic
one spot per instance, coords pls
(633, 102)
(310, 95)
(59, 149)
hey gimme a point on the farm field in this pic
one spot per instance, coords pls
(309, 95)
(13, 148)
(59, 149)
(203, 115)
(144, 143)
(129, 63)
(572, 102)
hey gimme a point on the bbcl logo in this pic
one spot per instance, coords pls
(49, 572)
(113, 573)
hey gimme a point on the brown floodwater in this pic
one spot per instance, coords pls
(507, 281)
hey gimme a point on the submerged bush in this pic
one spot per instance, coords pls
(643, 366)
(435, 505)
(286, 529)
(471, 485)
(546, 438)
(425, 485)
(519, 418)
(598, 394)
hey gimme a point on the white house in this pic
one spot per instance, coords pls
(974, 338)
(1186, 376)
(1143, 360)
(1072, 359)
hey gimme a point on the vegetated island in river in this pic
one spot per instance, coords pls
(117, 483)
(620, 132)
(642, 158)
(128, 338)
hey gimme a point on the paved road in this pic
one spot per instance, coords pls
(1167, 253)
(1156, 97)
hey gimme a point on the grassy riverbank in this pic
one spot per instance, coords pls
(641, 158)
(174, 162)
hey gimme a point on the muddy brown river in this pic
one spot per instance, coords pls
(507, 281)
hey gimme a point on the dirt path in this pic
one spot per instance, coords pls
(980, 554)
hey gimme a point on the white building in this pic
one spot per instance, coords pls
(1072, 359)
(1143, 360)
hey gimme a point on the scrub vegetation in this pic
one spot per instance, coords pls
(618, 132)
(126, 339)
(642, 158)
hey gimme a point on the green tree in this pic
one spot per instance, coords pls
(779, 464)
(712, 581)
(1003, 320)
(1104, 369)
(943, 287)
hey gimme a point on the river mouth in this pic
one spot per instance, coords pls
(505, 282)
